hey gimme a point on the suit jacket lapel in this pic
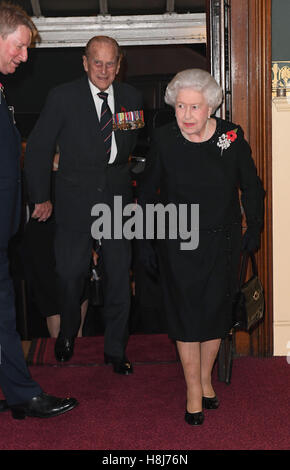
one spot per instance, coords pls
(9, 116)
(88, 109)
(118, 105)
(87, 106)
(89, 117)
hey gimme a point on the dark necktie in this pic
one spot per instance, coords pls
(106, 122)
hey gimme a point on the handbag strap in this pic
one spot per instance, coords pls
(244, 264)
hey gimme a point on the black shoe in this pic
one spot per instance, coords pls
(120, 366)
(43, 406)
(210, 403)
(194, 419)
(64, 348)
(3, 406)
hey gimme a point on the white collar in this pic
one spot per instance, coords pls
(95, 90)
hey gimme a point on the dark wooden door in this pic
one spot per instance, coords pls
(239, 56)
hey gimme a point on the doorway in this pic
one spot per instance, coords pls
(247, 76)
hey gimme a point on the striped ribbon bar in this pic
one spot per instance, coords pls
(128, 120)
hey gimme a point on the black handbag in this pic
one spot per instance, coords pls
(249, 302)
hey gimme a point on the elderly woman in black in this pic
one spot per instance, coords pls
(201, 159)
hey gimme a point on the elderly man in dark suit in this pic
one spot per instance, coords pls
(93, 169)
(23, 395)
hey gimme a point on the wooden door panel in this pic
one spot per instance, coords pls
(251, 108)
(247, 61)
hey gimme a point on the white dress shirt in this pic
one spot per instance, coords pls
(111, 102)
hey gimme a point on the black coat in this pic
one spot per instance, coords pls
(69, 119)
(15, 380)
(199, 284)
(10, 178)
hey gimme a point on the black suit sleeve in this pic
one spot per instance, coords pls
(41, 148)
(252, 191)
(252, 196)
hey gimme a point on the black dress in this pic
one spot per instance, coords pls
(39, 262)
(199, 284)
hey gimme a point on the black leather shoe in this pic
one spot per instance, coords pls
(3, 406)
(64, 348)
(43, 406)
(194, 419)
(210, 403)
(120, 366)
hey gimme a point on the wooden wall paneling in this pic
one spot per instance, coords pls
(251, 98)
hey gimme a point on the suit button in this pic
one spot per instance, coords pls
(100, 190)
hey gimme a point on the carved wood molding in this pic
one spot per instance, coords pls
(252, 108)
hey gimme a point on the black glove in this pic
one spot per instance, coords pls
(148, 257)
(251, 240)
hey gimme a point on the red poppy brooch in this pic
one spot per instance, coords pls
(225, 140)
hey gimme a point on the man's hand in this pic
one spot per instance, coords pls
(42, 211)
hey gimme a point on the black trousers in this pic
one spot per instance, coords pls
(15, 380)
(73, 252)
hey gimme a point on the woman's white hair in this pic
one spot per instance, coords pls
(197, 80)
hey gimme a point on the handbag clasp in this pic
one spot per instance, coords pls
(256, 295)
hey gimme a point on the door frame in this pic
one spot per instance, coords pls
(251, 85)
(251, 81)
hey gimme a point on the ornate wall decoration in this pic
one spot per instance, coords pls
(280, 78)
